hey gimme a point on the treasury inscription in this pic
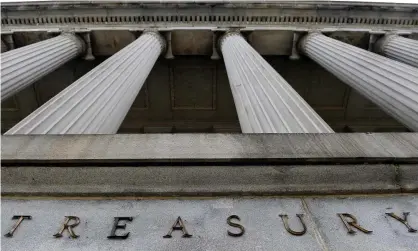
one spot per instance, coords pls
(350, 223)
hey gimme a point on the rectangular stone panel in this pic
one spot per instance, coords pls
(9, 105)
(191, 42)
(272, 42)
(193, 88)
(141, 101)
(109, 42)
(326, 92)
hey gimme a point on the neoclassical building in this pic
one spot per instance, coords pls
(155, 100)
(210, 66)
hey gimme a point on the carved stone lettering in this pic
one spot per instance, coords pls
(116, 226)
(404, 220)
(353, 223)
(69, 227)
(178, 225)
(19, 219)
(229, 221)
(286, 224)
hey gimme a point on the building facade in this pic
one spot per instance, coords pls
(231, 125)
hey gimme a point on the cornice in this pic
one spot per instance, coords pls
(141, 17)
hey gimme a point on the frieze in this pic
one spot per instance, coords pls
(379, 222)
(388, 222)
(71, 222)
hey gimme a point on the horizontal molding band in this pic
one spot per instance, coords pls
(171, 177)
(213, 3)
(254, 149)
(247, 19)
(208, 180)
(204, 21)
(203, 15)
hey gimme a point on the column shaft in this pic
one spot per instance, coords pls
(399, 48)
(265, 102)
(390, 84)
(23, 66)
(98, 102)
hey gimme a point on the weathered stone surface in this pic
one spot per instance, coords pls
(209, 164)
(205, 220)
(199, 180)
(388, 233)
(408, 178)
(357, 147)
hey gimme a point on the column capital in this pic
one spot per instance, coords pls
(304, 39)
(161, 40)
(383, 42)
(79, 42)
(398, 48)
(228, 34)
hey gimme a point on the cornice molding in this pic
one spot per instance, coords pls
(141, 15)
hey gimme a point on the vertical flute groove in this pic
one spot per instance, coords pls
(24, 66)
(265, 102)
(399, 48)
(98, 102)
(391, 85)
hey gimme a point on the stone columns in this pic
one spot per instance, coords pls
(98, 102)
(398, 48)
(23, 66)
(390, 84)
(265, 102)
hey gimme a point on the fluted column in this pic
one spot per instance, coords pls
(390, 84)
(23, 66)
(98, 102)
(399, 48)
(265, 102)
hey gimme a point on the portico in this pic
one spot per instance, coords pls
(209, 125)
(98, 102)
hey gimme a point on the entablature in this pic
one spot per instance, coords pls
(56, 16)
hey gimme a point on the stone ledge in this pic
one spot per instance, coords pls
(201, 180)
(244, 149)
(408, 176)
